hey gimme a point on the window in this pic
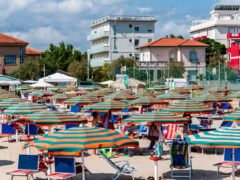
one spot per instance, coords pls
(10, 60)
(130, 55)
(193, 56)
(149, 40)
(22, 54)
(130, 40)
(173, 55)
(136, 42)
(137, 57)
(150, 28)
(130, 25)
(136, 28)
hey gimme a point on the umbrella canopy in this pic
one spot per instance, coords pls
(50, 118)
(237, 110)
(234, 95)
(25, 108)
(188, 106)
(74, 140)
(220, 138)
(4, 95)
(194, 87)
(232, 117)
(181, 90)
(107, 105)
(41, 84)
(157, 117)
(25, 87)
(85, 100)
(210, 98)
(10, 102)
(99, 93)
(40, 93)
(61, 96)
(171, 96)
(120, 95)
(147, 101)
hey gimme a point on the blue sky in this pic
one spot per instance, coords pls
(42, 22)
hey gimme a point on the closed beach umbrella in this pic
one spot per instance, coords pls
(107, 106)
(188, 106)
(24, 108)
(50, 118)
(10, 102)
(172, 96)
(157, 117)
(84, 100)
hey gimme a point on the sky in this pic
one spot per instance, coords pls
(41, 22)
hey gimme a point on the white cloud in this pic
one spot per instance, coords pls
(172, 27)
(145, 9)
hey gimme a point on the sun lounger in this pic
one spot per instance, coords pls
(68, 126)
(180, 159)
(66, 167)
(30, 130)
(141, 130)
(122, 167)
(8, 131)
(228, 159)
(27, 166)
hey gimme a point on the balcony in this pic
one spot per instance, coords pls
(151, 64)
(98, 35)
(99, 49)
(98, 62)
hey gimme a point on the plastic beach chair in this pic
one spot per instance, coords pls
(122, 167)
(8, 131)
(226, 124)
(141, 130)
(27, 166)
(66, 167)
(180, 159)
(228, 159)
(68, 126)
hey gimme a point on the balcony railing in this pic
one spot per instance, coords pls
(151, 64)
(99, 49)
(98, 35)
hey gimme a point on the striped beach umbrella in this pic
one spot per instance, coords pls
(98, 93)
(181, 90)
(40, 93)
(237, 110)
(61, 96)
(235, 117)
(24, 108)
(120, 95)
(84, 100)
(157, 117)
(172, 96)
(235, 95)
(220, 138)
(10, 102)
(74, 140)
(210, 98)
(188, 106)
(147, 101)
(107, 105)
(6, 95)
(194, 87)
(50, 118)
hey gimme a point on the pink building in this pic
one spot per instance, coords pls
(234, 50)
(156, 55)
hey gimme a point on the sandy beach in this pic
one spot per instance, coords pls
(202, 163)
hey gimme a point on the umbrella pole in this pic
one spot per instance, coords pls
(83, 167)
(233, 166)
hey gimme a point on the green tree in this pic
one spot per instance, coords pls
(123, 61)
(79, 69)
(174, 70)
(174, 36)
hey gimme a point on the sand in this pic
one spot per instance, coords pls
(202, 164)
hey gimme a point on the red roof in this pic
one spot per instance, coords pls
(32, 51)
(8, 40)
(174, 42)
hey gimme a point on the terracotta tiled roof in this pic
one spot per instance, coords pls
(8, 40)
(174, 42)
(32, 51)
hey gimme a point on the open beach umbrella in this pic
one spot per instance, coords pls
(73, 141)
(235, 95)
(99, 93)
(188, 106)
(172, 96)
(237, 110)
(120, 95)
(194, 87)
(210, 98)
(157, 117)
(61, 96)
(10, 102)
(50, 118)
(181, 90)
(85, 100)
(235, 117)
(24, 108)
(6, 95)
(41, 84)
(146, 101)
(107, 106)
(40, 93)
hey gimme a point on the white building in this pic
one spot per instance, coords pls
(225, 18)
(113, 36)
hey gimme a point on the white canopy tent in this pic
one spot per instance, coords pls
(41, 84)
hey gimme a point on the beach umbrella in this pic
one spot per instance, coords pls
(73, 141)
(10, 102)
(25, 87)
(147, 101)
(210, 98)
(107, 106)
(181, 90)
(188, 106)
(172, 96)
(8, 95)
(98, 93)
(235, 117)
(61, 96)
(120, 95)
(157, 117)
(41, 84)
(84, 100)
(50, 118)
(220, 138)
(234, 95)
(194, 87)
(237, 110)
(24, 108)
(40, 93)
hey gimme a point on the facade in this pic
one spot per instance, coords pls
(157, 55)
(32, 53)
(115, 36)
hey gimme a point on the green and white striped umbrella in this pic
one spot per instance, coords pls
(237, 110)
(220, 138)
(172, 96)
(232, 117)
(120, 95)
(210, 98)
(40, 93)
(157, 117)
(50, 118)
(234, 95)
(188, 106)
(6, 95)
(99, 93)
(85, 100)
(25, 108)
(10, 102)
(147, 101)
(61, 96)
(74, 140)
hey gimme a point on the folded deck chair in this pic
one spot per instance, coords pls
(122, 167)
(228, 159)
(27, 166)
(8, 131)
(180, 159)
(66, 167)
